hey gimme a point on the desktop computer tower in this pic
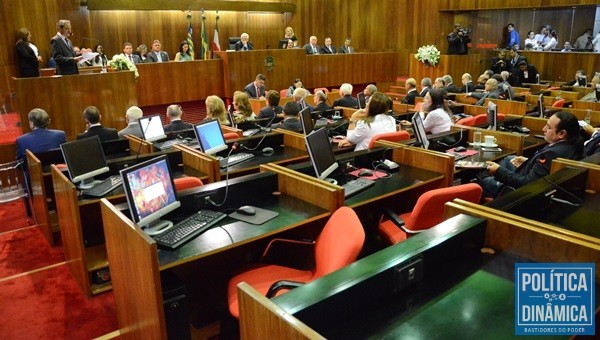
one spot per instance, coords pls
(176, 307)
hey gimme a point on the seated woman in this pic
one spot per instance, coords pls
(242, 109)
(142, 50)
(368, 122)
(215, 109)
(438, 117)
(100, 59)
(289, 34)
(273, 110)
(184, 52)
(296, 85)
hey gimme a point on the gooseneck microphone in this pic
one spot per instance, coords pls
(209, 200)
(137, 154)
(85, 38)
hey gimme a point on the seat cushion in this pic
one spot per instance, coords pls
(261, 279)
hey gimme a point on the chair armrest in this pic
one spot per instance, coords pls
(282, 284)
(274, 242)
(398, 221)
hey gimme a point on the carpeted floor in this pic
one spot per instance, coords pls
(13, 216)
(26, 249)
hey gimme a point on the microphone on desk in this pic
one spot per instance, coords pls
(561, 189)
(137, 154)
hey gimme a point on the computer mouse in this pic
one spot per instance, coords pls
(268, 151)
(246, 210)
(365, 173)
(460, 149)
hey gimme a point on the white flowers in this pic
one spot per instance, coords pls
(429, 55)
(120, 62)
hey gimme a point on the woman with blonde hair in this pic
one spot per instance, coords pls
(215, 109)
(289, 34)
(242, 109)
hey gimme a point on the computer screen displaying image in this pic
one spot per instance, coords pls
(152, 128)
(85, 159)
(320, 153)
(210, 137)
(150, 194)
(492, 116)
(419, 129)
(306, 120)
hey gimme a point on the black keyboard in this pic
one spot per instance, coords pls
(235, 159)
(189, 228)
(357, 185)
(166, 145)
(104, 187)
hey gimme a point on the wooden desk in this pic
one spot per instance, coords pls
(562, 65)
(509, 106)
(454, 65)
(65, 98)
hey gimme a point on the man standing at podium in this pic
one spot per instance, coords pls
(62, 49)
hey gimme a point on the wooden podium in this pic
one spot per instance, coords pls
(454, 65)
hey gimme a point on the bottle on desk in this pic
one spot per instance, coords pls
(477, 137)
(588, 116)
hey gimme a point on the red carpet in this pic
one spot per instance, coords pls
(49, 305)
(13, 216)
(10, 127)
(24, 250)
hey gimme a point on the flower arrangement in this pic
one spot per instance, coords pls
(120, 62)
(429, 55)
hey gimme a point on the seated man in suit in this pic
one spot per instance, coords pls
(368, 92)
(592, 145)
(411, 91)
(347, 48)
(562, 134)
(92, 117)
(312, 47)
(128, 53)
(468, 85)
(133, 126)
(290, 120)
(299, 97)
(244, 44)
(156, 55)
(491, 91)
(450, 87)
(321, 101)
(176, 124)
(40, 138)
(425, 86)
(346, 99)
(256, 89)
(327, 48)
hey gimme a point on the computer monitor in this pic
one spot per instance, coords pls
(233, 41)
(362, 100)
(541, 105)
(283, 43)
(152, 128)
(150, 194)
(419, 130)
(210, 137)
(582, 80)
(306, 120)
(492, 116)
(85, 159)
(597, 93)
(321, 154)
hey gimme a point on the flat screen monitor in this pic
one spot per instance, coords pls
(152, 128)
(582, 81)
(321, 154)
(210, 137)
(362, 100)
(85, 159)
(492, 116)
(541, 105)
(419, 129)
(150, 194)
(283, 43)
(597, 93)
(307, 123)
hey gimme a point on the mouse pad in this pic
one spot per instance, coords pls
(376, 174)
(466, 153)
(261, 216)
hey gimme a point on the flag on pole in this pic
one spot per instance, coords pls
(189, 39)
(204, 49)
(216, 46)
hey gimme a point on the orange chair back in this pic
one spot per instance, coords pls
(559, 103)
(396, 136)
(501, 117)
(429, 209)
(339, 243)
(469, 121)
(283, 93)
(183, 183)
(230, 135)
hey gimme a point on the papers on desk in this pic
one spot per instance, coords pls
(471, 165)
(87, 56)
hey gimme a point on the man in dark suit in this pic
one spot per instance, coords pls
(312, 47)
(299, 97)
(62, 49)
(468, 85)
(327, 48)
(321, 102)
(244, 44)
(128, 53)
(256, 89)
(40, 138)
(515, 60)
(425, 86)
(346, 99)
(450, 87)
(156, 55)
(562, 134)
(411, 91)
(176, 124)
(92, 117)
(491, 91)
(347, 48)
(592, 145)
(458, 40)
(290, 120)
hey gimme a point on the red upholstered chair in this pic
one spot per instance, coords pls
(230, 135)
(390, 136)
(283, 93)
(469, 121)
(189, 182)
(338, 245)
(428, 211)
(559, 103)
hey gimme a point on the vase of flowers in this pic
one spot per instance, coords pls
(428, 55)
(119, 62)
